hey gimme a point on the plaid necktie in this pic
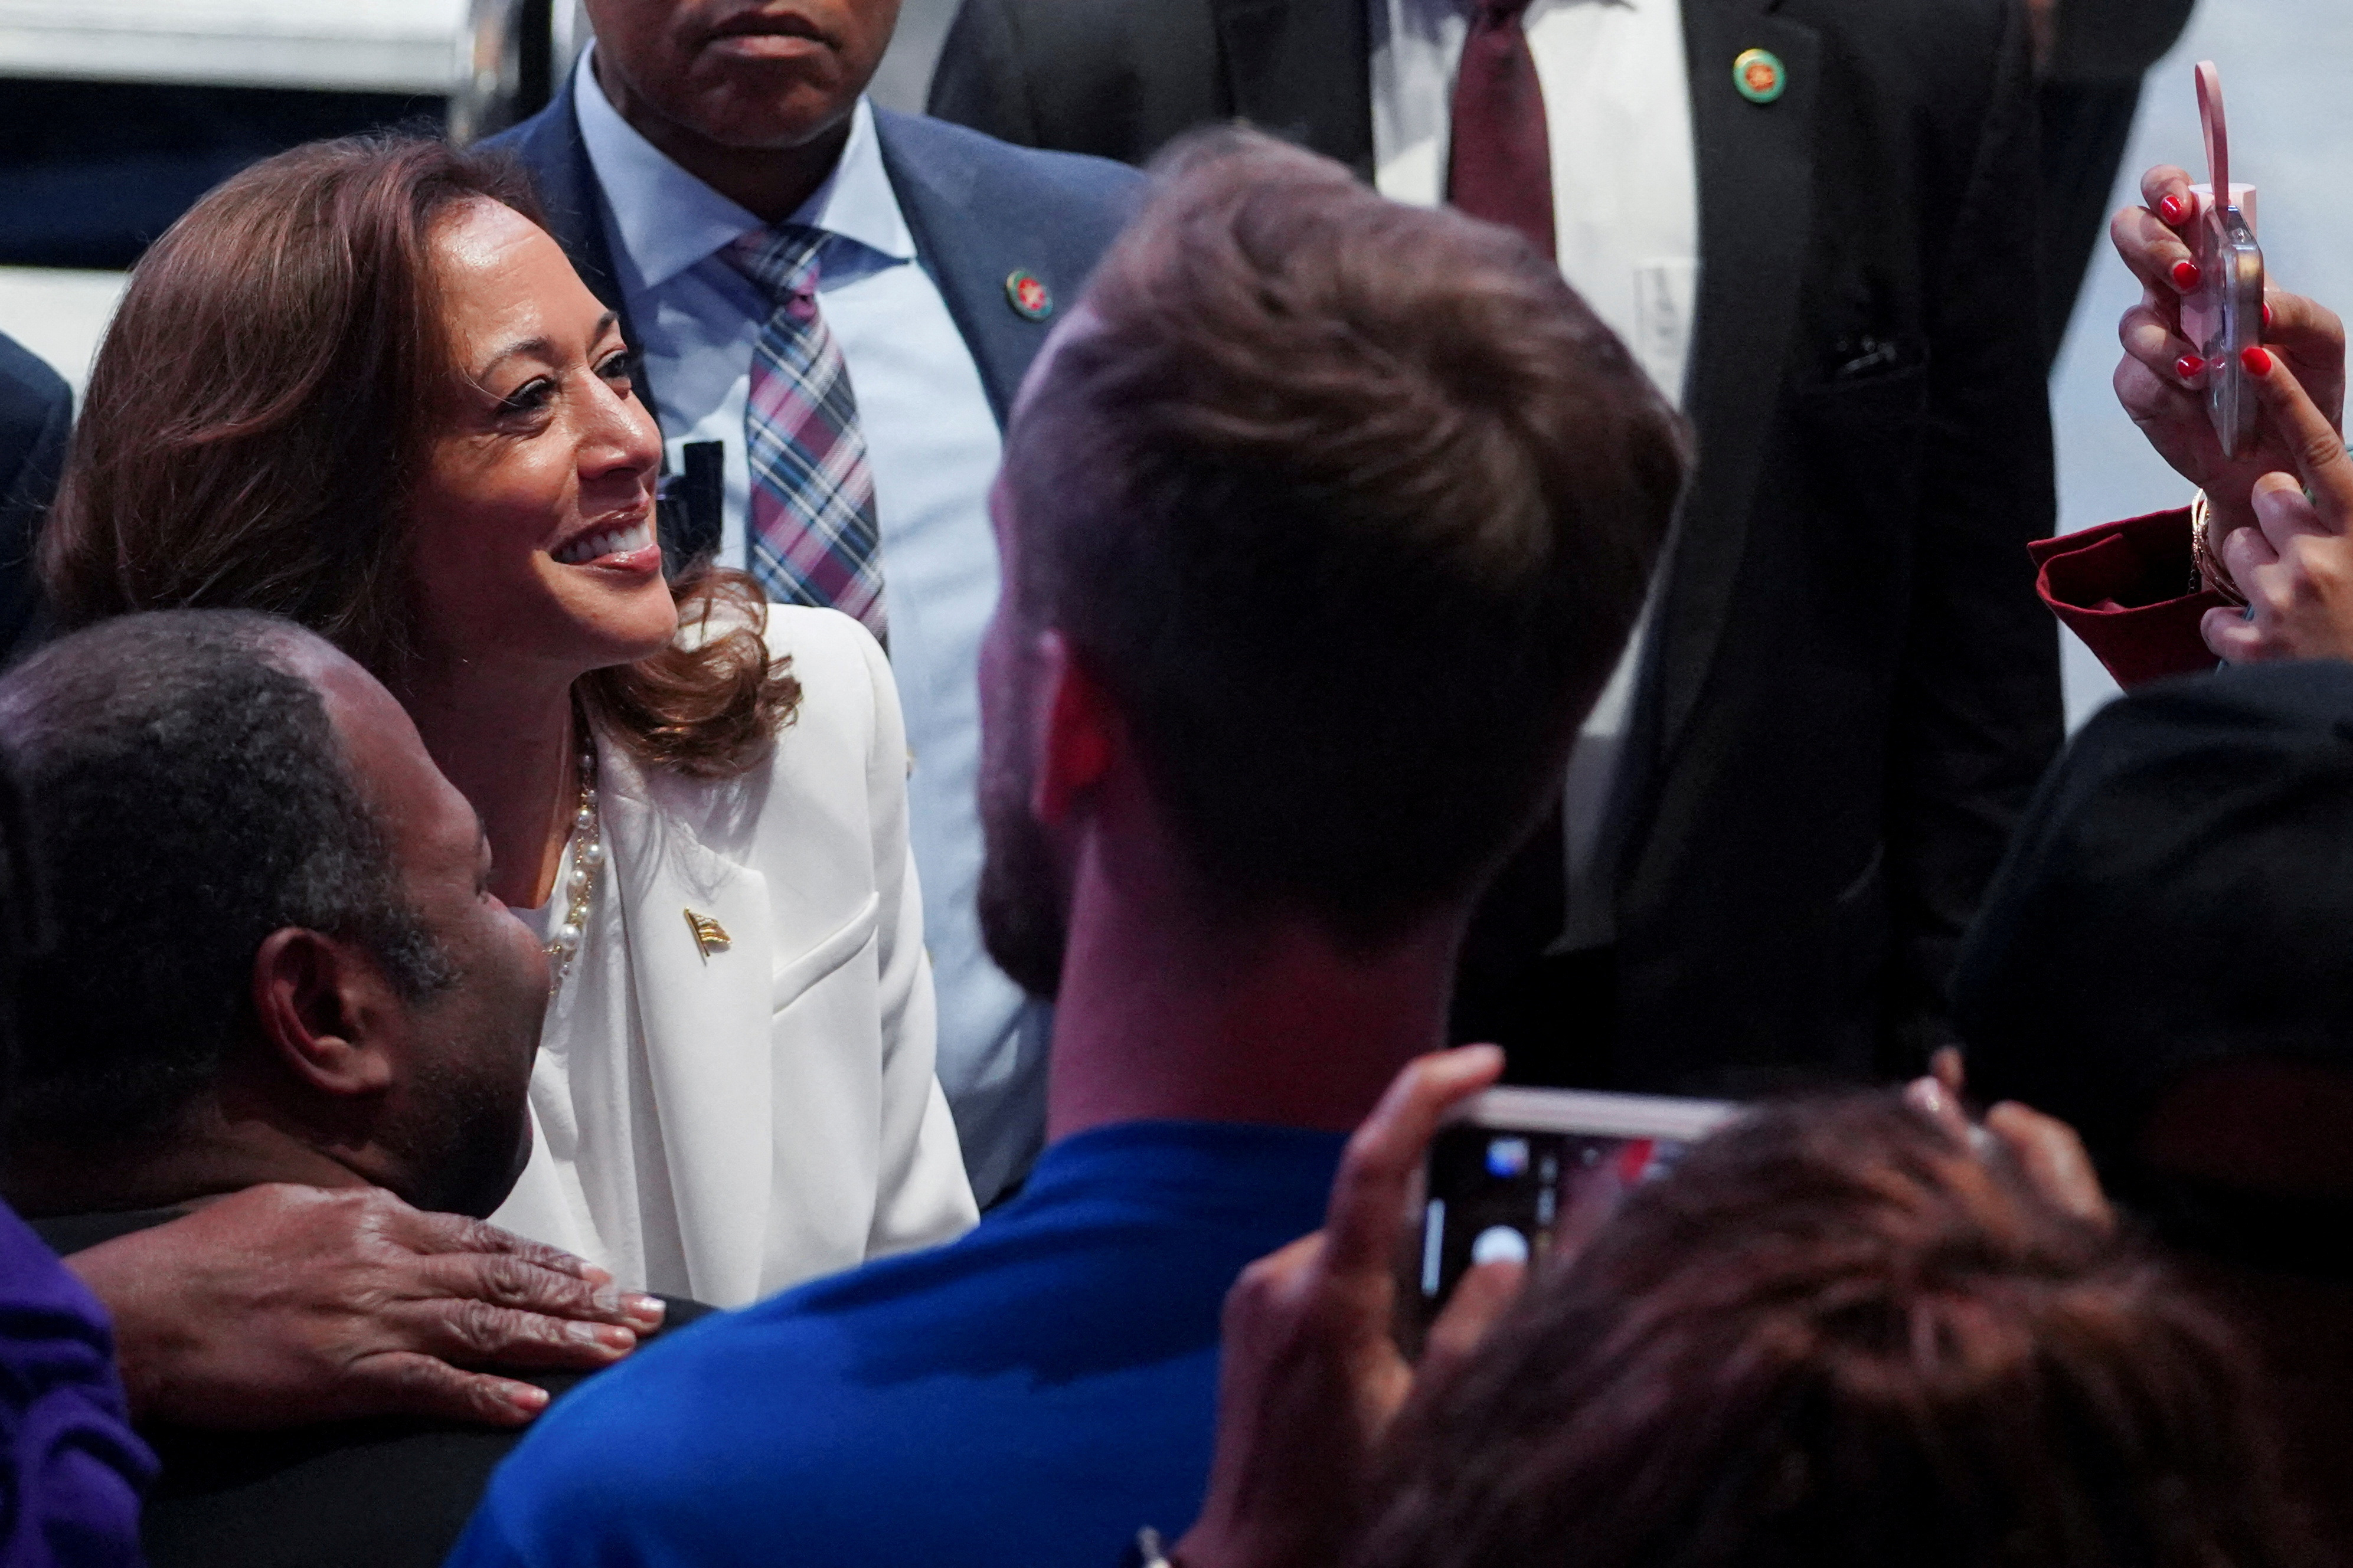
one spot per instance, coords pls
(813, 538)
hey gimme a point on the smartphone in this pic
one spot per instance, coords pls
(2229, 317)
(1516, 1172)
(2223, 316)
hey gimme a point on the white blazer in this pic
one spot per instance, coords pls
(722, 1124)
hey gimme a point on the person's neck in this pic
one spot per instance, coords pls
(769, 183)
(506, 746)
(1164, 1012)
(208, 1154)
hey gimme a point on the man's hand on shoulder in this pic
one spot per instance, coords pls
(282, 1305)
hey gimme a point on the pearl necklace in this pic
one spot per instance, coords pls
(588, 858)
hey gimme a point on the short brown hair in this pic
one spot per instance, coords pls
(1835, 1338)
(262, 404)
(1351, 505)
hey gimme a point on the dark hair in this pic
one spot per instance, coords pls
(260, 406)
(187, 795)
(1834, 1338)
(1351, 505)
(23, 921)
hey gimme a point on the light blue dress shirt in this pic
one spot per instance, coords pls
(933, 445)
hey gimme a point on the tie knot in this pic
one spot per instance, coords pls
(1495, 12)
(782, 261)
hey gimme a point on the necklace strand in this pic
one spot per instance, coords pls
(588, 858)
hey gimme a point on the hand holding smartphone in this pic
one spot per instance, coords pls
(2223, 316)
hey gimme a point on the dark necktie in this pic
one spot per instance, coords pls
(1498, 163)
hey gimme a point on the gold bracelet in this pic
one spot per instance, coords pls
(2209, 569)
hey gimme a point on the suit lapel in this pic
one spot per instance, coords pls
(553, 149)
(1756, 185)
(705, 1023)
(1298, 69)
(970, 254)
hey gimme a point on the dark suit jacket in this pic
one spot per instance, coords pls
(1851, 686)
(979, 210)
(390, 1493)
(35, 416)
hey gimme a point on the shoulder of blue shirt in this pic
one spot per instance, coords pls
(768, 1395)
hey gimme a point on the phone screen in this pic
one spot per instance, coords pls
(1530, 1170)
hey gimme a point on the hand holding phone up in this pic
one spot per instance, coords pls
(2165, 380)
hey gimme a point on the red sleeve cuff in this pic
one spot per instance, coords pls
(2120, 587)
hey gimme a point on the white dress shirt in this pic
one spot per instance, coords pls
(721, 1122)
(1625, 195)
(934, 445)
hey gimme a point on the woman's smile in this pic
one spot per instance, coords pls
(623, 547)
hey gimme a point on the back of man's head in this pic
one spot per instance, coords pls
(1835, 1336)
(1350, 506)
(187, 796)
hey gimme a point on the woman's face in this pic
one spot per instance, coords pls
(534, 523)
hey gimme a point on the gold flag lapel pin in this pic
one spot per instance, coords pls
(710, 936)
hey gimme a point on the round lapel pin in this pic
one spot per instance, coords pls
(1027, 294)
(1759, 74)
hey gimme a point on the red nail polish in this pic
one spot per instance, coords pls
(2267, 318)
(2257, 361)
(2185, 276)
(2174, 210)
(2189, 367)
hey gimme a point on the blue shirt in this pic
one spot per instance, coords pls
(933, 445)
(1028, 1395)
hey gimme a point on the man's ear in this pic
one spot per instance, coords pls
(315, 997)
(1078, 733)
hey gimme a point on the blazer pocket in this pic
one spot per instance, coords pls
(794, 975)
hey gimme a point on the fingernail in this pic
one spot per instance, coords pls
(1927, 1094)
(2258, 361)
(2185, 276)
(526, 1396)
(648, 1310)
(2188, 367)
(2174, 210)
(605, 1336)
(2267, 318)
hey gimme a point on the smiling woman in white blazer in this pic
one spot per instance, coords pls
(359, 385)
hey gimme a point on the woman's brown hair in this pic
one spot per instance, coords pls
(1834, 1337)
(262, 403)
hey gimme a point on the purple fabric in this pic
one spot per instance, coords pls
(70, 1494)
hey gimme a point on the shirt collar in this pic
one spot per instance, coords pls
(1216, 1168)
(669, 220)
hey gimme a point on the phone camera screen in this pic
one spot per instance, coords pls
(1502, 1194)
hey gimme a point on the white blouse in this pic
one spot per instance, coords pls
(723, 1121)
